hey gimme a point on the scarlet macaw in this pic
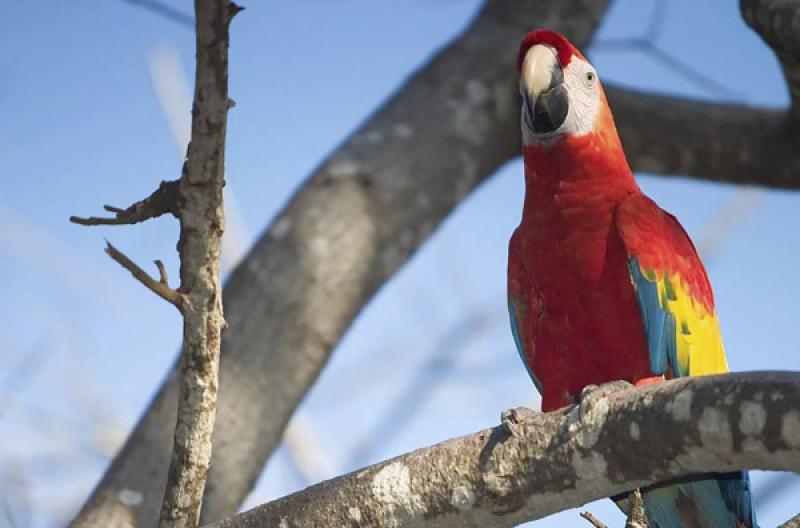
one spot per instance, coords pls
(603, 284)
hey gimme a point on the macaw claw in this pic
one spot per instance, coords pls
(591, 394)
(512, 419)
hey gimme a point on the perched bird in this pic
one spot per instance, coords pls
(604, 285)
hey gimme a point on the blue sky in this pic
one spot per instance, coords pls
(84, 346)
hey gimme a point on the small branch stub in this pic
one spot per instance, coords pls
(636, 518)
(594, 521)
(159, 287)
(163, 200)
(163, 278)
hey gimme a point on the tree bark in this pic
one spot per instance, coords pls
(201, 216)
(370, 205)
(547, 463)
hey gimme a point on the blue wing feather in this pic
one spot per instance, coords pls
(512, 314)
(659, 324)
(715, 500)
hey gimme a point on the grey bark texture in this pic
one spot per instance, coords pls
(545, 463)
(370, 205)
(201, 215)
(794, 522)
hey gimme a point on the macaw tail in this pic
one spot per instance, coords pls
(717, 500)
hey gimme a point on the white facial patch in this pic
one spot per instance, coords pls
(583, 91)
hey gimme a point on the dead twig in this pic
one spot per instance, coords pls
(636, 517)
(159, 287)
(593, 520)
(163, 200)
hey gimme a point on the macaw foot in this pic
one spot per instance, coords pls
(648, 381)
(512, 419)
(591, 395)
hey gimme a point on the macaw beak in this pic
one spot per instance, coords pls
(544, 96)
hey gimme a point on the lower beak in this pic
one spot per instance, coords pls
(548, 111)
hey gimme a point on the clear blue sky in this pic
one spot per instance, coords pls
(83, 346)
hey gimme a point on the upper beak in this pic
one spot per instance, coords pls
(544, 96)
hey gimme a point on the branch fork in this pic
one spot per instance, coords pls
(160, 287)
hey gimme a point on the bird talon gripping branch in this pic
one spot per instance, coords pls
(512, 419)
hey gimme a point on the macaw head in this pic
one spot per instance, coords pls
(561, 94)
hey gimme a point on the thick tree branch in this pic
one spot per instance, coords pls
(778, 23)
(713, 141)
(163, 200)
(563, 459)
(376, 199)
(200, 246)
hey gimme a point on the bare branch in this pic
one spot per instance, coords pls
(594, 521)
(563, 459)
(200, 246)
(163, 200)
(166, 11)
(636, 518)
(776, 22)
(162, 272)
(160, 288)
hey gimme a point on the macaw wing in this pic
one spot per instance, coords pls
(674, 295)
(683, 339)
(520, 311)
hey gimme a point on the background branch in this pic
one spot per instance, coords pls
(444, 132)
(562, 459)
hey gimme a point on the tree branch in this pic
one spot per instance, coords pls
(377, 198)
(712, 141)
(562, 459)
(200, 246)
(163, 200)
(776, 22)
(594, 521)
(159, 287)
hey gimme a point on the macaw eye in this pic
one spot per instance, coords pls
(590, 77)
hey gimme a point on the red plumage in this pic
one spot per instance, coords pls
(577, 311)
(578, 318)
(563, 48)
